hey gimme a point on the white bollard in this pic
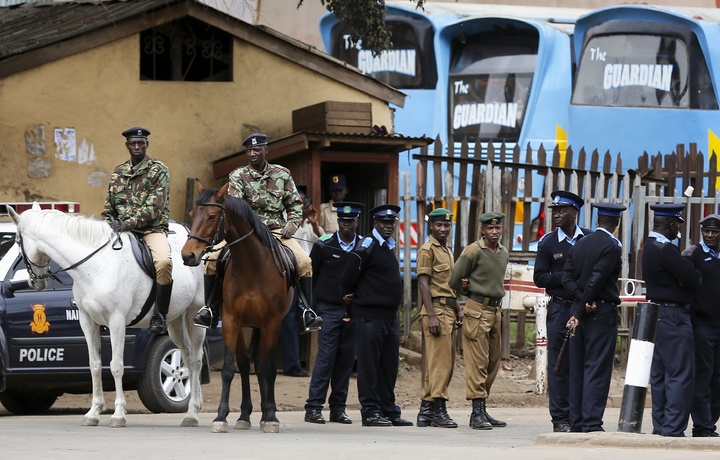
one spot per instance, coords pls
(541, 359)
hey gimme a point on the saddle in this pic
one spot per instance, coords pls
(285, 262)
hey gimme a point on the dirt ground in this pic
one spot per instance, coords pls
(514, 387)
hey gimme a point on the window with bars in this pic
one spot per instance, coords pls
(185, 50)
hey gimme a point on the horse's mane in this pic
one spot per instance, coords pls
(84, 230)
(243, 210)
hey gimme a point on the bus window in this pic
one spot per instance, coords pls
(410, 64)
(489, 85)
(643, 70)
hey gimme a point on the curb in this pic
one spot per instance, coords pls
(626, 440)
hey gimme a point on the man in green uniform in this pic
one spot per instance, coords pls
(137, 201)
(439, 316)
(270, 191)
(483, 263)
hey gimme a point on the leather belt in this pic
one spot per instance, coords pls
(449, 301)
(561, 300)
(674, 304)
(607, 302)
(490, 302)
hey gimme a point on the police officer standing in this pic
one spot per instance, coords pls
(337, 342)
(372, 279)
(483, 264)
(591, 274)
(137, 201)
(669, 280)
(549, 262)
(439, 316)
(705, 317)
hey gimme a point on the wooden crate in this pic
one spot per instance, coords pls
(334, 117)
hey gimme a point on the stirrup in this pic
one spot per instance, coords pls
(197, 318)
(315, 324)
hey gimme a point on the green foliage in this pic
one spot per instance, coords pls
(366, 21)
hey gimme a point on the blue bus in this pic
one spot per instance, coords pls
(482, 72)
(647, 80)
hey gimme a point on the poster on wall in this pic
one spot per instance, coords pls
(65, 144)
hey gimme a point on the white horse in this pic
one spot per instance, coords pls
(110, 289)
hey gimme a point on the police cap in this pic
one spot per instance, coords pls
(385, 212)
(136, 131)
(609, 209)
(337, 182)
(563, 198)
(669, 210)
(255, 139)
(348, 209)
(440, 215)
(492, 218)
(710, 221)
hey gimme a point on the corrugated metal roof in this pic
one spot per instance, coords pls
(34, 25)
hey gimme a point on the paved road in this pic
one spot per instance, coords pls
(60, 437)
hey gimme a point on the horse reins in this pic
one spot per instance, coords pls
(51, 274)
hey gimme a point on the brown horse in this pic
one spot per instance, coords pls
(255, 295)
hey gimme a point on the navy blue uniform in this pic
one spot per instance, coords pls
(549, 264)
(669, 279)
(336, 340)
(591, 273)
(705, 317)
(373, 275)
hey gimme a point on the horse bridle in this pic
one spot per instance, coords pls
(51, 274)
(216, 237)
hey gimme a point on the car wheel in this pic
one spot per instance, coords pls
(27, 403)
(165, 384)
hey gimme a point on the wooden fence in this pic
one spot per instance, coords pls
(507, 179)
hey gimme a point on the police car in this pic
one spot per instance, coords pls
(43, 352)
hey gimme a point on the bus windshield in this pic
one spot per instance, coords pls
(489, 85)
(634, 70)
(410, 64)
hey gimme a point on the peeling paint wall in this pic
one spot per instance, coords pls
(96, 94)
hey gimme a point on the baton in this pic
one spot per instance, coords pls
(561, 354)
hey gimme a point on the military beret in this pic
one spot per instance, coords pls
(563, 198)
(136, 132)
(440, 215)
(348, 209)
(337, 182)
(710, 221)
(492, 218)
(255, 140)
(669, 210)
(385, 212)
(609, 209)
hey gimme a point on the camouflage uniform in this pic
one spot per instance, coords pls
(272, 194)
(138, 196)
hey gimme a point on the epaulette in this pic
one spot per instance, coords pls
(366, 242)
(543, 237)
(325, 236)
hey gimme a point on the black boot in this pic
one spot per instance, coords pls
(478, 419)
(424, 417)
(209, 315)
(311, 321)
(440, 417)
(493, 421)
(162, 305)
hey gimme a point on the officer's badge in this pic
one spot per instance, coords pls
(39, 323)
(335, 179)
(347, 209)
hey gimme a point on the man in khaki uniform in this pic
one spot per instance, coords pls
(483, 263)
(327, 218)
(439, 316)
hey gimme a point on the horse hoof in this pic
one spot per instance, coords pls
(243, 425)
(270, 427)
(117, 422)
(219, 427)
(88, 421)
(188, 421)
